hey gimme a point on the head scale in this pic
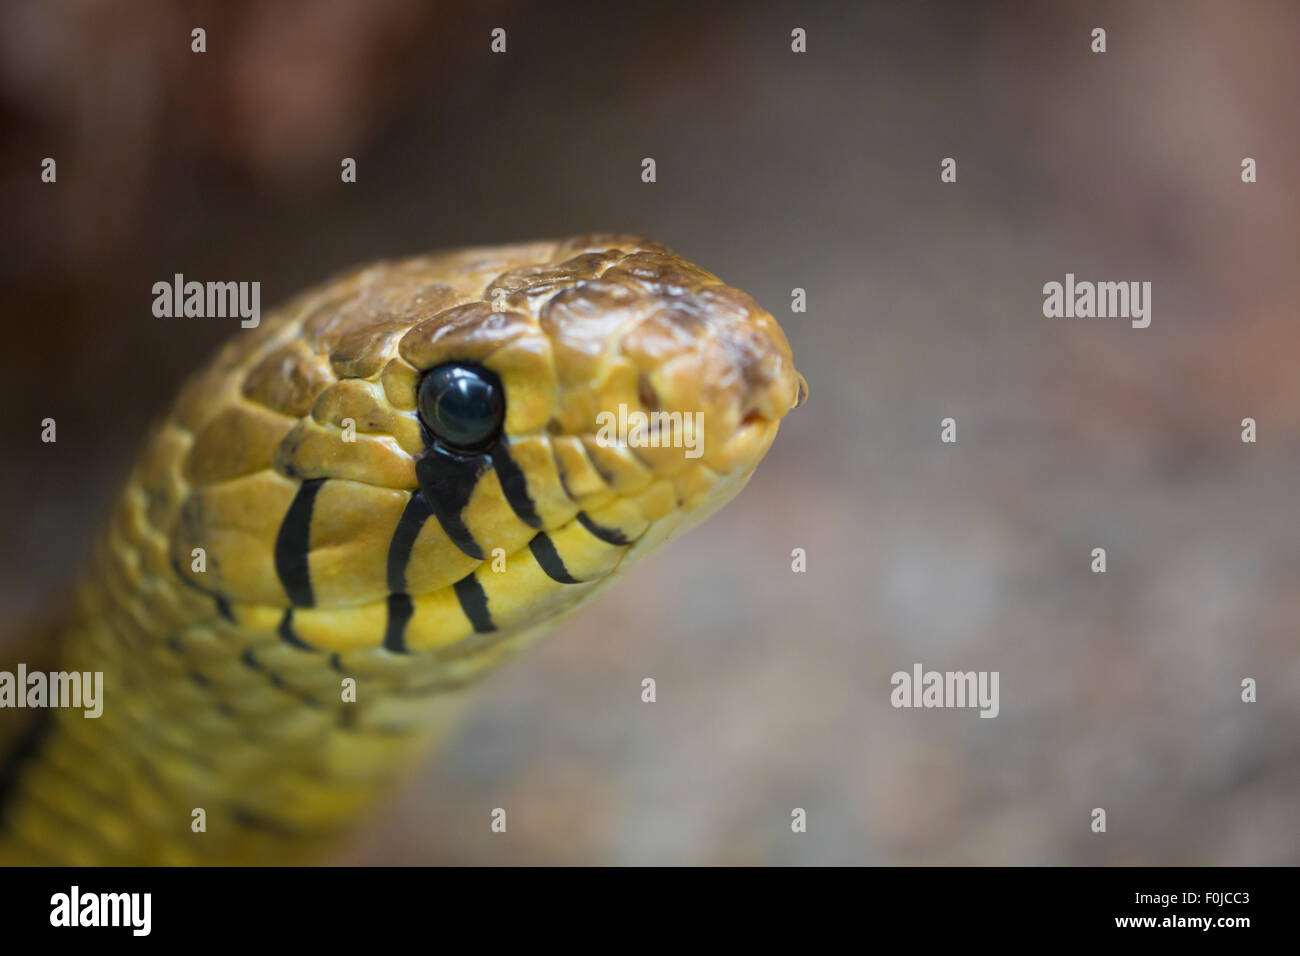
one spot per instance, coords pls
(438, 455)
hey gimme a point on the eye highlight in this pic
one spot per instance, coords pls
(463, 405)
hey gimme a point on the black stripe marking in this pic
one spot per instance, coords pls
(293, 542)
(251, 662)
(447, 481)
(543, 549)
(606, 475)
(608, 535)
(287, 634)
(559, 470)
(223, 605)
(473, 601)
(400, 610)
(414, 515)
(515, 485)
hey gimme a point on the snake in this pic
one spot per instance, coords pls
(356, 512)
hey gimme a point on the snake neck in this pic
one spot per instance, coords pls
(203, 752)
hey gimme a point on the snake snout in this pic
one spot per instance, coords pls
(742, 380)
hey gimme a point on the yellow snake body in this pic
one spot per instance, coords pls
(299, 581)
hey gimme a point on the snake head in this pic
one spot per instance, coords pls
(438, 455)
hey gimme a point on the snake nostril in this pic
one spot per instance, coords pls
(802, 395)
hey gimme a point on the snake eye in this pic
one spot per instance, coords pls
(463, 405)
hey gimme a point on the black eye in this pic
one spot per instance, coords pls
(464, 405)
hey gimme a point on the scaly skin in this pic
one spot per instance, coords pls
(329, 560)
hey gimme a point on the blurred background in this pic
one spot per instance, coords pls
(775, 170)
